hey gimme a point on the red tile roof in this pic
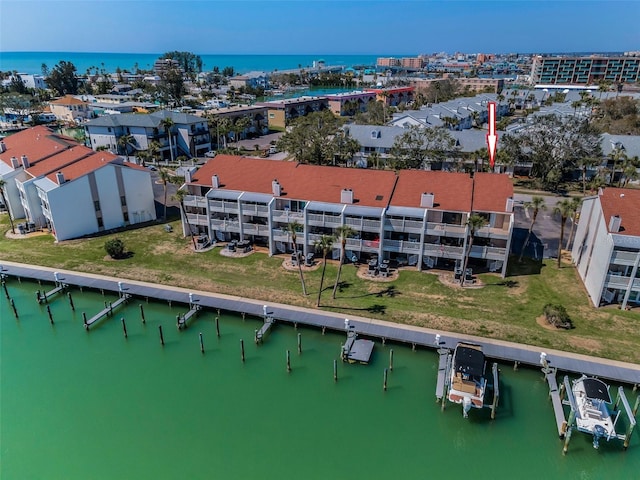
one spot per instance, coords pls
(36, 143)
(68, 100)
(60, 160)
(302, 182)
(626, 204)
(452, 191)
(86, 165)
(490, 192)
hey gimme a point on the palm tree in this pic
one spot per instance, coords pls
(167, 124)
(293, 228)
(342, 232)
(537, 204)
(565, 209)
(4, 202)
(153, 150)
(575, 208)
(125, 141)
(324, 244)
(240, 125)
(584, 164)
(474, 223)
(179, 197)
(629, 170)
(165, 178)
(576, 104)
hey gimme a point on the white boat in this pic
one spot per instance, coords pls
(593, 413)
(468, 382)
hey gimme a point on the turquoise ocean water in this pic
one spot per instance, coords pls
(31, 62)
(78, 405)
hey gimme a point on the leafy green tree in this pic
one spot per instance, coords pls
(293, 228)
(171, 87)
(63, 79)
(114, 248)
(536, 204)
(342, 147)
(21, 105)
(342, 232)
(125, 141)
(324, 244)
(189, 62)
(3, 185)
(239, 126)
(417, 145)
(565, 209)
(474, 223)
(309, 139)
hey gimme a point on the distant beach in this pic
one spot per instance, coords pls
(31, 62)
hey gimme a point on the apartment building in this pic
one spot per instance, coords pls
(585, 70)
(71, 109)
(393, 96)
(282, 112)
(189, 134)
(350, 103)
(54, 182)
(606, 250)
(413, 218)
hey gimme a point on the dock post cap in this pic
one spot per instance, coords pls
(264, 309)
(437, 339)
(56, 276)
(346, 323)
(119, 286)
(190, 297)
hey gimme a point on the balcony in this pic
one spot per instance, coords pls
(443, 251)
(446, 229)
(359, 245)
(282, 235)
(195, 219)
(255, 210)
(401, 246)
(324, 220)
(194, 201)
(223, 206)
(620, 282)
(489, 232)
(363, 224)
(403, 225)
(255, 229)
(624, 258)
(225, 225)
(286, 216)
(489, 253)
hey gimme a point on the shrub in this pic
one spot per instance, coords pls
(114, 247)
(557, 316)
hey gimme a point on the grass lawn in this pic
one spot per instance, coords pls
(505, 309)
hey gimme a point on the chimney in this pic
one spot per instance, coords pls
(509, 207)
(426, 200)
(25, 162)
(276, 188)
(215, 181)
(188, 174)
(14, 163)
(3, 147)
(60, 178)
(614, 223)
(346, 195)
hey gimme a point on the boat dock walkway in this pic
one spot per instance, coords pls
(107, 311)
(556, 399)
(415, 336)
(182, 320)
(266, 326)
(354, 349)
(43, 297)
(444, 373)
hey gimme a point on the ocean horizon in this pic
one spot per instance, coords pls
(31, 62)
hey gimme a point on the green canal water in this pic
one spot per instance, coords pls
(98, 406)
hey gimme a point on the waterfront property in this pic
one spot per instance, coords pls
(393, 96)
(71, 109)
(188, 135)
(54, 182)
(585, 70)
(606, 250)
(414, 217)
(282, 112)
(350, 103)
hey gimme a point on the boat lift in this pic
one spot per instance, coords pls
(443, 383)
(355, 350)
(564, 396)
(43, 297)
(183, 319)
(266, 326)
(107, 311)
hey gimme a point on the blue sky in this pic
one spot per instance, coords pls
(318, 27)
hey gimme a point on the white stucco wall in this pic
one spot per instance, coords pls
(72, 209)
(11, 192)
(139, 193)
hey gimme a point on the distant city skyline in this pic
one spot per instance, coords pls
(350, 27)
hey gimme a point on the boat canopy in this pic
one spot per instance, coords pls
(469, 361)
(596, 389)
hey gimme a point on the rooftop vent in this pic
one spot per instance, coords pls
(614, 223)
(276, 188)
(346, 195)
(215, 181)
(426, 200)
(25, 161)
(60, 178)
(509, 206)
(3, 147)
(14, 163)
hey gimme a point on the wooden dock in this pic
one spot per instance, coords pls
(183, 320)
(444, 373)
(107, 311)
(43, 297)
(264, 329)
(556, 400)
(356, 350)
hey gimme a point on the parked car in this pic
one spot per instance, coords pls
(210, 154)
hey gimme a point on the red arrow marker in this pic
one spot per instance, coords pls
(492, 138)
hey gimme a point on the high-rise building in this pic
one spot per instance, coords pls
(585, 70)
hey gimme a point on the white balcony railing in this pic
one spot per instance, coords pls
(624, 258)
(620, 282)
(195, 219)
(223, 206)
(255, 210)
(195, 201)
(493, 232)
(324, 219)
(444, 251)
(490, 253)
(403, 225)
(225, 225)
(255, 229)
(446, 229)
(286, 216)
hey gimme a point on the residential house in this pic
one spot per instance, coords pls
(56, 183)
(71, 109)
(606, 250)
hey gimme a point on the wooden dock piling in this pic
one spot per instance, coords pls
(299, 343)
(335, 370)
(201, 343)
(124, 327)
(384, 383)
(142, 315)
(242, 349)
(84, 321)
(288, 361)
(13, 306)
(73, 308)
(161, 335)
(391, 360)
(50, 315)
(218, 327)
(4, 287)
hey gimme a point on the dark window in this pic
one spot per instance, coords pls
(123, 201)
(100, 222)
(96, 205)
(126, 216)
